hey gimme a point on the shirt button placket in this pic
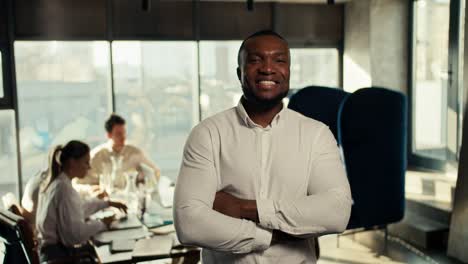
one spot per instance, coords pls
(263, 166)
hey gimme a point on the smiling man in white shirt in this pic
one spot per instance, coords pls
(259, 182)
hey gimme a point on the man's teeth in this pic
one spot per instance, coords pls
(267, 82)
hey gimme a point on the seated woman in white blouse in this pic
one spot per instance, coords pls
(61, 213)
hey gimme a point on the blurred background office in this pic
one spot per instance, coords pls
(167, 65)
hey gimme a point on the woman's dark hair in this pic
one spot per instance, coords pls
(72, 150)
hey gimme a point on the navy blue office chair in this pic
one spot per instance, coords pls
(370, 126)
(372, 132)
(320, 103)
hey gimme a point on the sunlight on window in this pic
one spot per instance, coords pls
(8, 153)
(63, 94)
(156, 90)
(356, 76)
(431, 74)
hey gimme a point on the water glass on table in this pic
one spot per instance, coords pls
(105, 183)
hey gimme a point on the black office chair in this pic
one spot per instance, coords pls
(370, 127)
(372, 132)
(12, 236)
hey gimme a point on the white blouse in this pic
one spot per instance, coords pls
(61, 214)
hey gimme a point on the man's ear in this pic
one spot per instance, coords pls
(108, 135)
(238, 74)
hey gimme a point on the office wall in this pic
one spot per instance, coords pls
(376, 40)
(356, 59)
(60, 19)
(310, 24)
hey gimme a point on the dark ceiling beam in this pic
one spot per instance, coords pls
(250, 5)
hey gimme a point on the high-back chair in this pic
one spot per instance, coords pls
(372, 132)
(370, 126)
(320, 103)
(13, 237)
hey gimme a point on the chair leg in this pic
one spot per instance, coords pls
(338, 241)
(384, 248)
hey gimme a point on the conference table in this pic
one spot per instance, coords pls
(133, 239)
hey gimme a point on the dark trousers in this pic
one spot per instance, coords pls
(61, 253)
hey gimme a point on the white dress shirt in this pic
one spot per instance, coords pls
(130, 158)
(31, 194)
(292, 168)
(61, 214)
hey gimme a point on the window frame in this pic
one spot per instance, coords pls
(6, 101)
(416, 160)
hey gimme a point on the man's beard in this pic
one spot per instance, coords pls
(265, 103)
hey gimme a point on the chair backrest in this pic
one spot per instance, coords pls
(11, 234)
(320, 103)
(372, 133)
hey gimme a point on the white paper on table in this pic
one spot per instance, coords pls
(155, 246)
(108, 236)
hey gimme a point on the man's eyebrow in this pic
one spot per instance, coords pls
(259, 52)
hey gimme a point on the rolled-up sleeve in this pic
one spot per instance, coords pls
(92, 205)
(327, 206)
(195, 221)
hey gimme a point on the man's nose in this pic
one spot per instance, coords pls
(267, 67)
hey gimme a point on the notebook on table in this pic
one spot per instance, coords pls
(128, 222)
(154, 248)
(122, 245)
(107, 237)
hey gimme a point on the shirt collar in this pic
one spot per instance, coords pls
(249, 123)
(108, 146)
(64, 177)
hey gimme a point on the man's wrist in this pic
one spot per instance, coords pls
(248, 210)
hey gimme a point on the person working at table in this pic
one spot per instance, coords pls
(31, 192)
(116, 152)
(61, 213)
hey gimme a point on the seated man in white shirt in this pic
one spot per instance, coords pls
(260, 182)
(116, 155)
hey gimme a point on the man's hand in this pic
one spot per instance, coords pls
(121, 206)
(232, 206)
(108, 221)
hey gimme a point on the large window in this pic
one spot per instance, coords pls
(220, 88)
(156, 90)
(63, 94)
(8, 153)
(314, 67)
(436, 110)
(64, 91)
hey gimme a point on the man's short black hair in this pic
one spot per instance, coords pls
(265, 32)
(112, 121)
